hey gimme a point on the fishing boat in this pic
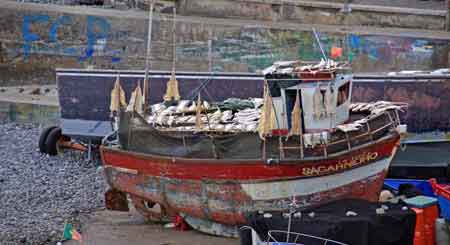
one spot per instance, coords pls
(213, 163)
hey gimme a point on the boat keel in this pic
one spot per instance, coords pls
(210, 227)
(116, 200)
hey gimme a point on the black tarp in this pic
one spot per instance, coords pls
(394, 227)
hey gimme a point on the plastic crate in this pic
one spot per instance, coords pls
(443, 194)
(423, 185)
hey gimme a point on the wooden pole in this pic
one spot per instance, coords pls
(174, 28)
(210, 64)
(147, 58)
(302, 154)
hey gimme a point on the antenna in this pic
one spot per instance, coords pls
(318, 42)
(292, 209)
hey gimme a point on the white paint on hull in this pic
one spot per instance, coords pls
(302, 187)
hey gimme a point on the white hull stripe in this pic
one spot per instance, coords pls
(123, 170)
(301, 187)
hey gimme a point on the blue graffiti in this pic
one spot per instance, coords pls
(53, 34)
(97, 29)
(27, 35)
(98, 32)
(62, 20)
(355, 41)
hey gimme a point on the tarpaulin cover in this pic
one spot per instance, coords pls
(394, 227)
(135, 134)
(235, 104)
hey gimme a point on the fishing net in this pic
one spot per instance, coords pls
(135, 134)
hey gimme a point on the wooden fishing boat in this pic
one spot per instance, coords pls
(310, 143)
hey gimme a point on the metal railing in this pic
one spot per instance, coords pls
(393, 122)
(297, 238)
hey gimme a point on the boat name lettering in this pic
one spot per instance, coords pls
(341, 164)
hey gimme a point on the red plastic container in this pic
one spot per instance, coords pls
(426, 214)
(441, 190)
(443, 193)
(419, 231)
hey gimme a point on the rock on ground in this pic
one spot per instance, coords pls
(39, 193)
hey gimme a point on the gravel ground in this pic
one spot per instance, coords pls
(39, 193)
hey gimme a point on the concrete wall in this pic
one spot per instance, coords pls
(28, 113)
(316, 12)
(35, 39)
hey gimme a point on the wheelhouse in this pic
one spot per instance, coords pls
(324, 93)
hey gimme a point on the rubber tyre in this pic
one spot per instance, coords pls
(43, 138)
(51, 143)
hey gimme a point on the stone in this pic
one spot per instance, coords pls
(41, 192)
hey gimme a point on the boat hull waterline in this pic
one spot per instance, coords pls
(224, 191)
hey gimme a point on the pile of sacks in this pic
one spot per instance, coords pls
(239, 115)
(373, 109)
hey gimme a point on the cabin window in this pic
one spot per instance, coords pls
(343, 94)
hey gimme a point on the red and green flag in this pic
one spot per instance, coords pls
(71, 233)
(336, 52)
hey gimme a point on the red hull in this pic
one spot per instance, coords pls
(224, 191)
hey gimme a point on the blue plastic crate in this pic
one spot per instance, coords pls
(423, 185)
(444, 205)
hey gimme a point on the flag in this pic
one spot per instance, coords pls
(330, 104)
(117, 97)
(318, 103)
(336, 52)
(136, 100)
(296, 118)
(172, 89)
(71, 233)
(267, 119)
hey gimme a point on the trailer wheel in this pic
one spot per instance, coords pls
(43, 138)
(51, 143)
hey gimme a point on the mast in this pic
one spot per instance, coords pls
(172, 91)
(210, 64)
(174, 47)
(147, 58)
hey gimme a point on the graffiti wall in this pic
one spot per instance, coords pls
(97, 36)
(258, 48)
(34, 42)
